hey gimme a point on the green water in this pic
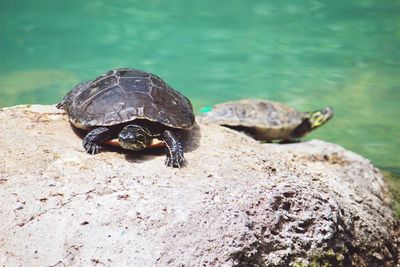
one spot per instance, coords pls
(308, 54)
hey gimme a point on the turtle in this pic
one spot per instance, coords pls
(134, 106)
(266, 120)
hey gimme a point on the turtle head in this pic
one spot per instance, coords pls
(311, 121)
(319, 117)
(134, 137)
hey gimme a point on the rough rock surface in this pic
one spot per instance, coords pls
(236, 203)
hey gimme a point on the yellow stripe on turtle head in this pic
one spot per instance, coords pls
(319, 117)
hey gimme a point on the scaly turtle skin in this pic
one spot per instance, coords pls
(133, 106)
(266, 120)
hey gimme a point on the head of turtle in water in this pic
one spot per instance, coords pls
(312, 121)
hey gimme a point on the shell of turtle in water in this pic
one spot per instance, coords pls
(123, 95)
(262, 119)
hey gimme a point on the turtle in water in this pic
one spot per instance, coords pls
(133, 106)
(266, 120)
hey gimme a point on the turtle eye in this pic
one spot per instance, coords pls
(316, 115)
(316, 119)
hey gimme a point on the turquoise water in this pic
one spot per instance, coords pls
(308, 54)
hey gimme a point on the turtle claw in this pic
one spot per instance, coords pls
(91, 147)
(94, 138)
(175, 157)
(173, 150)
(176, 161)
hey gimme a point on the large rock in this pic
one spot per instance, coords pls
(236, 203)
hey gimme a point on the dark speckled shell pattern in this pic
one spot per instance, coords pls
(123, 95)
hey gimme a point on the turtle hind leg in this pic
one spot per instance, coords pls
(60, 105)
(92, 141)
(173, 150)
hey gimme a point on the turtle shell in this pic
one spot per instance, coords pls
(123, 95)
(263, 119)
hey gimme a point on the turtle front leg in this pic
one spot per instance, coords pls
(94, 138)
(173, 150)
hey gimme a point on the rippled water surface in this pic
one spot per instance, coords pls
(308, 54)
